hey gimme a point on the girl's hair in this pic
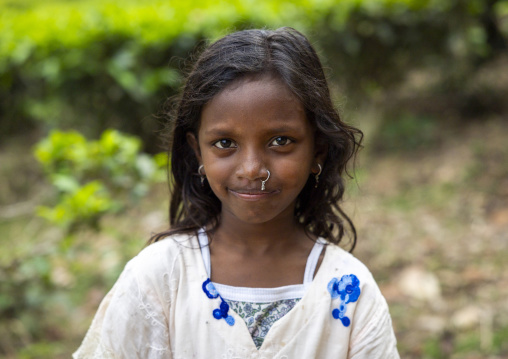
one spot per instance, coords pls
(286, 54)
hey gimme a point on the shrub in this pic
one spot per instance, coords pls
(93, 178)
(111, 65)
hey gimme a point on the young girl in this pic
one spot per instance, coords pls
(251, 267)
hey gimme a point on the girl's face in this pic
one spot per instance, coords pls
(252, 126)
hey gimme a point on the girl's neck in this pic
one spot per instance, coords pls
(267, 255)
(265, 238)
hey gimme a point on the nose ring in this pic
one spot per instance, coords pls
(264, 181)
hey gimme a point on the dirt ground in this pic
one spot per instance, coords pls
(433, 229)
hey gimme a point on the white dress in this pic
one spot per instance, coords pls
(164, 306)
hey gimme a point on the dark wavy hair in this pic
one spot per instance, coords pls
(286, 54)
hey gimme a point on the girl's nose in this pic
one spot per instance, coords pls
(251, 166)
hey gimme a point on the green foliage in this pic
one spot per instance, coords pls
(499, 343)
(407, 132)
(94, 177)
(42, 350)
(111, 64)
(45, 278)
(432, 349)
(84, 204)
(102, 64)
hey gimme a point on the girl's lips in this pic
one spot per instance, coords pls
(251, 194)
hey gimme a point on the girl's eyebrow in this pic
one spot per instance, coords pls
(284, 128)
(228, 131)
(221, 132)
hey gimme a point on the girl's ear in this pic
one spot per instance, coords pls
(320, 151)
(193, 142)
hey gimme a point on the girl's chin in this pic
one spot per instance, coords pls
(257, 215)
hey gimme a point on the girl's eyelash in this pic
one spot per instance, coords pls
(284, 139)
(225, 144)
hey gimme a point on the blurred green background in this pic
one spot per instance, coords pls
(83, 85)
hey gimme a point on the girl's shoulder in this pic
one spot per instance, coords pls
(339, 260)
(161, 256)
(358, 303)
(171, 244)
(341, 267)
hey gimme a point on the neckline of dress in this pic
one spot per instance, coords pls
(263, 295)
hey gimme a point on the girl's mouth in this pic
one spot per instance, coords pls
(251, 194)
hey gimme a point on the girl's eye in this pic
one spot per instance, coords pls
(281, 141)
(225, 143)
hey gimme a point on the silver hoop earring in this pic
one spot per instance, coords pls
(264, 181)
(316, 176)
(202, 175)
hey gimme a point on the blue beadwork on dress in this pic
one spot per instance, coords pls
(348, 290)
(222, 311)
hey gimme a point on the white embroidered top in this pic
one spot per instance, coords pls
(164, 306)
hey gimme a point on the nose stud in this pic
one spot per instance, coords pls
(264, 181)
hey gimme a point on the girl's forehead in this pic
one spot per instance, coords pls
(261, 105)
(255, 88)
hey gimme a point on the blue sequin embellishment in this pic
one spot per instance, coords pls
(222, 311)
(348, 289)
(209, 289)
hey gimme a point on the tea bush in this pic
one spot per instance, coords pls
(93, 65)
(94, 177)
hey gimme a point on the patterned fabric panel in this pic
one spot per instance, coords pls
(260, 317)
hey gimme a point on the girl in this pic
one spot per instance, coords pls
(251, 267)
